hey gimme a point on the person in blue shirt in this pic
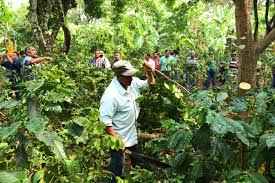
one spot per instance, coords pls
(27, 74)
(13, 65)
(29, 61)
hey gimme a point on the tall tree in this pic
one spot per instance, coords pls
(249, 47)
(46, 18)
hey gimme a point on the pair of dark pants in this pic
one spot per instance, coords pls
(211, 76)
(117, 161)
(223, 74)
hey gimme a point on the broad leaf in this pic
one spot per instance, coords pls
(257, 178)
(222, 96)
(54, 142)
(38, 176)
(8, 104)
(270, 141)
(36, 125)
(5, 132)
(34, 85)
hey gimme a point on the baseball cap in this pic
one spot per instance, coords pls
(123, 68)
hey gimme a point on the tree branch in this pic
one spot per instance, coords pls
(33, 18)
(272, 22)
(255, 6)
(268, 27)
(264, 43)
(61, 13)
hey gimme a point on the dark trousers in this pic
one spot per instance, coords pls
(211, 77)
(117, 161)
(223, 74)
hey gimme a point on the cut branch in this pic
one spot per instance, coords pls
(255, 6)
(263, 44)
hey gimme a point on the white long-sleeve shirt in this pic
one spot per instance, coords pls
(119, 109)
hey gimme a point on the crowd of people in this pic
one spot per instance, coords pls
(184, 68)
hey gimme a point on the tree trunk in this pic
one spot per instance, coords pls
(40, 14)
(249, 49)
(246, 46)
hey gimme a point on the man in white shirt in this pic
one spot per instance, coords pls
(119, 110)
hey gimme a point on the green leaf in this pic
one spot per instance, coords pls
(222, 96)
(14, 177)
(197, 170)
(219, 127)
(81, 121)
(73, 166)
(55, 108)
(201, 139)
(166, 86)
(34, 85)
(6, 177)
(8, 104)
(5, 132)
(38, 176)
(257, 178)
(256, 125)
(238, 105)
(262, 96)
(178, 160)
(174, 139)
(270, 141)
(36, 125)
(234, 173)
(54, 142)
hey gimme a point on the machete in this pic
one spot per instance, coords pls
(147, 159)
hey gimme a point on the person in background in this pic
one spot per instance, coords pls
(211, 71)
(166, 63)
(23, 54)
(107, 63)
(156, 59)
(233, 66)
(28, 74)
(117, 57)
(190, 68)
(98, 61)
(175, 56)
(149, 61)
(13, 64)
(224, 66)
(119, 111)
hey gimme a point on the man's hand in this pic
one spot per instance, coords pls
(49, 58)
(109, 130)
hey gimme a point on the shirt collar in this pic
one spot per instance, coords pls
(119, 87)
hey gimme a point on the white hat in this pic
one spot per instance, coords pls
(124, 68)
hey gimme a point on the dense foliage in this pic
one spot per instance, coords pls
(206, 136)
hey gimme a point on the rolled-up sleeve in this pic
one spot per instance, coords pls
(107, 110)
